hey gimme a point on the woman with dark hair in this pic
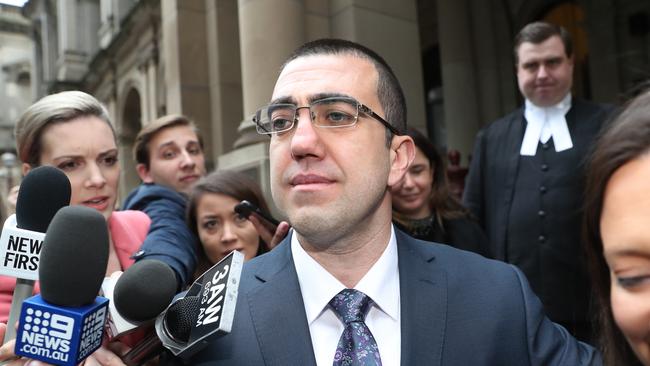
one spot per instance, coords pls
(424, 208)
(211, 215)
(616, 221)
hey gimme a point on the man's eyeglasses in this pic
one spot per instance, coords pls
(333, 112)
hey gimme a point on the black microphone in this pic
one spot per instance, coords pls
(65, 323)
(42, 193)
(138, 295)
(192, 321)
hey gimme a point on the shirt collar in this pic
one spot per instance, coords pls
(564, 105)
(318, 287)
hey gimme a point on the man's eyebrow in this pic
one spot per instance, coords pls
(283, 100)
(553, 59)
(320, 96)
(166, 144)
(310, 99)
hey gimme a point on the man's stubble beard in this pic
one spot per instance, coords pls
(323, 226)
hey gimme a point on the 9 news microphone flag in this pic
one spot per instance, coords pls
(65, 324)
(60, 335)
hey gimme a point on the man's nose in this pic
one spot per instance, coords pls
(306, 140)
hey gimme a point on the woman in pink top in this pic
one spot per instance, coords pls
(71, 131)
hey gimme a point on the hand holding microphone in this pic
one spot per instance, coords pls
(138, 295)
(269, 229)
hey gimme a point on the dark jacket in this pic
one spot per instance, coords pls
(457, 308)
(557, 273)
(169, 239)
(461, 233)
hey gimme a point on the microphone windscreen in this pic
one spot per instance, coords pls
(74, 257)
(144, 290)
(180, 317)
(43, 191)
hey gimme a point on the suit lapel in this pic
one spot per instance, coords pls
(278, 312)
(423, 298)
(511, 153)
(512, 143)
(582, 129)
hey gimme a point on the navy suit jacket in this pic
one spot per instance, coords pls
(457, 308)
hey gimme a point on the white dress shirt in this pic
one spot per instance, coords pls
(381, 284)
(544, 122)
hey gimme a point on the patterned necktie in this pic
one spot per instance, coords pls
(356, 346)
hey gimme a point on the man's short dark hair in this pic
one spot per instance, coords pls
(141, 144)
(539, 32)
(389, 91)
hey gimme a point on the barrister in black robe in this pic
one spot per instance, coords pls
(526, 178)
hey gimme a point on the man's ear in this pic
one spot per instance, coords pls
(144, 173)
(26, 168)
(402, 153)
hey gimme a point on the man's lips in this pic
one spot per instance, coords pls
(305, 179)
(189, 178)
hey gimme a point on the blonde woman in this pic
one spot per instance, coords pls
(71, 131)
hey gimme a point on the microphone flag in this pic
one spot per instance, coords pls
(19, 250)
(60, 335)
(216, 293)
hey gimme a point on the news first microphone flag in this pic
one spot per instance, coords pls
(65, 323)
(19, 250)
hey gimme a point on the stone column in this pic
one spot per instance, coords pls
(458, 75)
(71, 58)
(603, 54)
(225, 73)
(489, 54)
(268, 31)
(184, 38)
(44, 36)
(152, 88)
(391, 29)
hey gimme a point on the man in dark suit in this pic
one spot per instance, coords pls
(345, 287)
(526, 177)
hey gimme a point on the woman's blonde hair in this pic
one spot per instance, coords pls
(49, 110)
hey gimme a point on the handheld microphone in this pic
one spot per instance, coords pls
(191, 322)
(138, 295)
(42, 193)
(65, 323)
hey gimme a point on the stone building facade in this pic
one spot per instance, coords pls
(16, 91)
(15, 71)
(216, 60)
